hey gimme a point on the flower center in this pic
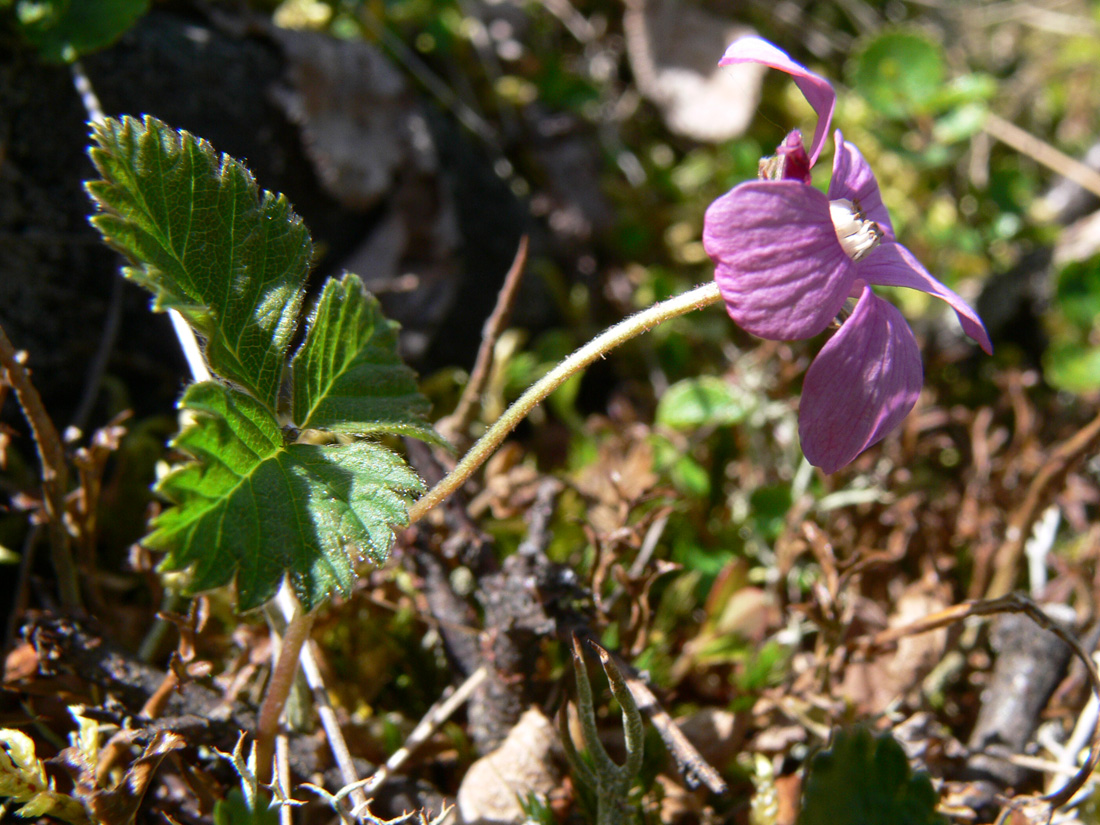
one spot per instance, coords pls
(857, 235)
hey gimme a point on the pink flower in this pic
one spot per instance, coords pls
(787, 259)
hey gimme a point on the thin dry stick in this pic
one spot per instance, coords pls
(1027, 144)
(282, 773)
(691, 763)
(439, 713)
(1013, 603)
(456, 423)
(1054, 470)
(55, 473)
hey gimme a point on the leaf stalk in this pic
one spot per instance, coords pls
(278, 689)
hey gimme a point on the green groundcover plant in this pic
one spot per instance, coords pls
(258, 501)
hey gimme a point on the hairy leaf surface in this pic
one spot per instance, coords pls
(207, 242)
(252, 508)
(347, 376)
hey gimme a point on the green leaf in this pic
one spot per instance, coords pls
(252, 508)
(347, 376)
(702, 401)
(1077, 295)
(62, 30)
(963, 90)
(1072, 366)
(866, 780)
(961, 123)
(899, 72)
(207, 242)
(234, 810)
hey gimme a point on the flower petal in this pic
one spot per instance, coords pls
(779, 265)
(891, 264)
(815, 88)
(862, 384)
(854, 180)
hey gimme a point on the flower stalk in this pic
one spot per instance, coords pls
(599, 346)
(278, 689)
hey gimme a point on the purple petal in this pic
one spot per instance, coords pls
(861, 386)
(854, 180)
(891, 264)
(816, 89)
(780, 267)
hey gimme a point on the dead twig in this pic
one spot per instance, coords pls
(1053, 472)
(55, 473)
(439, 713)
(1012, 603)
(453, 427)
(1027, 144)
(695, 769)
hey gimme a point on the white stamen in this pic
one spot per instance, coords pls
(856, 234)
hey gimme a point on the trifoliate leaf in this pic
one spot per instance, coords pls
(62, 30)
(253, 508)
(206, 241)
(347, 376)
(866, 780)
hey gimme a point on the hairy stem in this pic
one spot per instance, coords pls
(278, 689)
(603, 343)
(287, 605)
(55, 473)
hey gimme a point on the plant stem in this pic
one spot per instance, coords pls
(287, 605)
(603, 343)
(55, 473)
(278, 689)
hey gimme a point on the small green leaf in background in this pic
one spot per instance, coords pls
(1072, 361)
(1077, 295)
(234, 810)
(205, 241)
(899, 72)
(62, 30)
(1073, 367)
(703, 401)
(865, 779)
(961, 123)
